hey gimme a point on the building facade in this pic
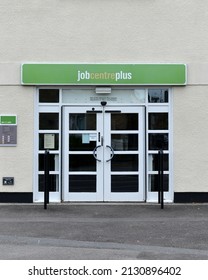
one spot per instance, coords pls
(103, 86)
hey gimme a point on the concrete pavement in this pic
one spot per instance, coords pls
(103, 231)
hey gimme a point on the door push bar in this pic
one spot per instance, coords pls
(112, 153)
(99, 146)
(93, 111)
(94, 152)
(112, 111)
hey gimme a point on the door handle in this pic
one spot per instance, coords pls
(94, 152)
(112, 153)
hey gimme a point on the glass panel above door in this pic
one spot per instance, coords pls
(49, 95)
(158, 95)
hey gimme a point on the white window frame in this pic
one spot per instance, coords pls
(57, 107)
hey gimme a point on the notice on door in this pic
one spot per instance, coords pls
(93, 137)
(49, 141)
(88, 137)
(85, 138)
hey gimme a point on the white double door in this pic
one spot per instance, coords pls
(103, 153)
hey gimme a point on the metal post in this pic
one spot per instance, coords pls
(46, 180)
(160, 179)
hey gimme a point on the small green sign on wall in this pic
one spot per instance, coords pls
(103, 74)
(8, 130)
(8, 119)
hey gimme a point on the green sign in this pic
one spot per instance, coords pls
(7, 120)
(103, 74)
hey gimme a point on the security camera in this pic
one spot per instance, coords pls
(103, 103)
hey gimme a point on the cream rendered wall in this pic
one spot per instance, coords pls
(190, 121)
(102, 31)
(129, 31)
(17, 161)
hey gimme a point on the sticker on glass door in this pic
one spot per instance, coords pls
(103, 153)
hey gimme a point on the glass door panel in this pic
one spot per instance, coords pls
(82, 121)
(125, 142)
(81, 137)
(124, 184)
(124, 166)
(124, 162)
(82, 184)
(124, 121)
